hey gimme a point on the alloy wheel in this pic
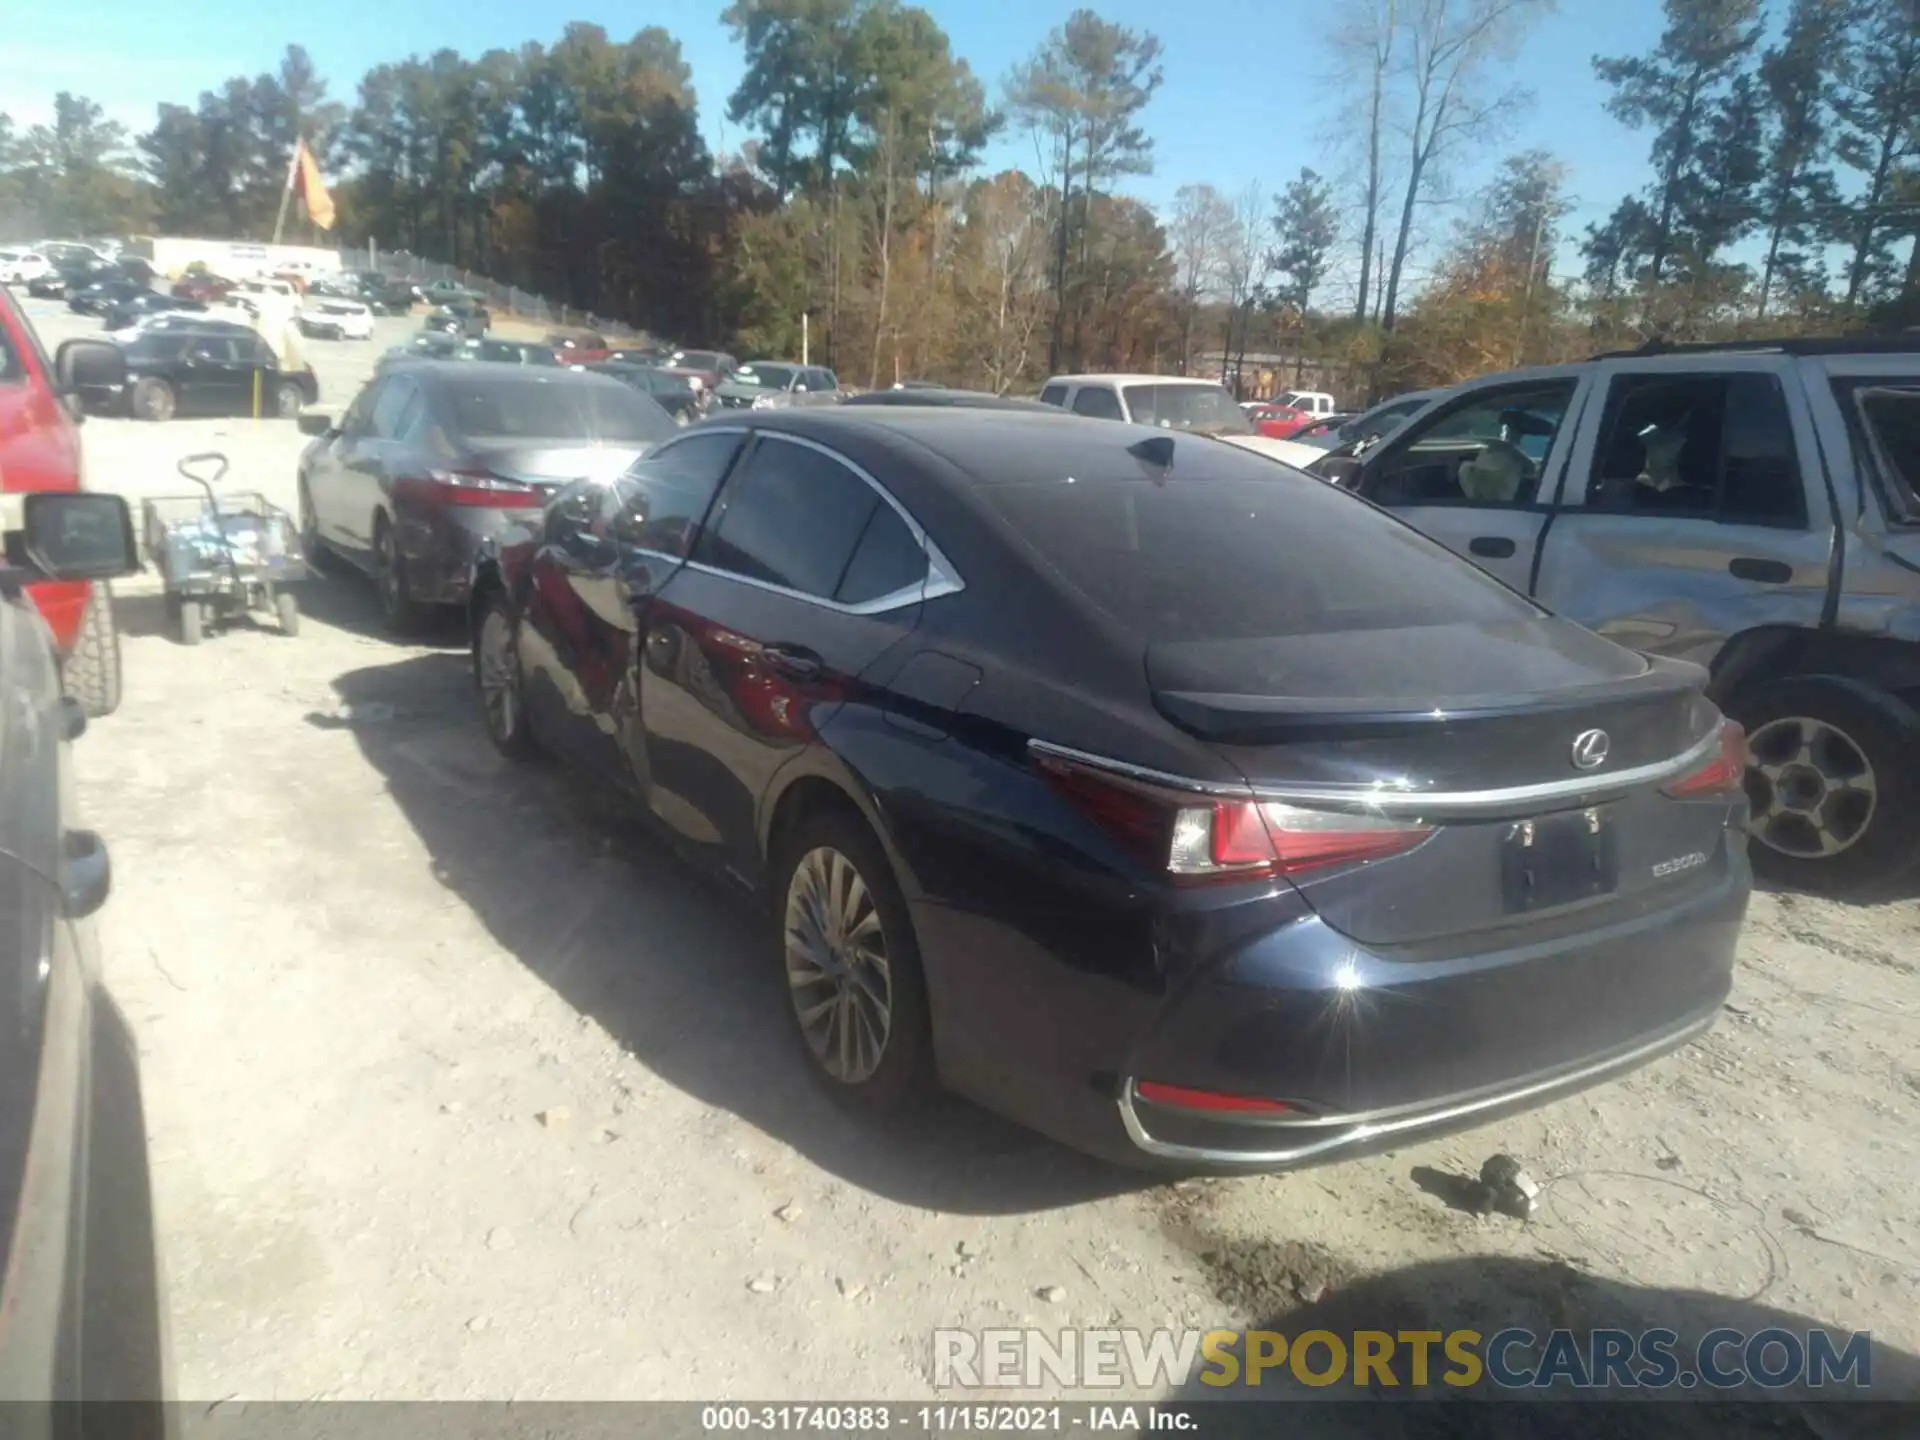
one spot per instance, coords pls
(1812, 789)
(393, 593)
(838, 972)
(498, 675)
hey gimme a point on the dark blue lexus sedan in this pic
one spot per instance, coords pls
(1162, 797)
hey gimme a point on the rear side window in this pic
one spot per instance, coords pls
(793, 518)
(1199, 558)
(888, 559)
(391, 412)
(1100, 404)
(1884, 418)
(1054, 395)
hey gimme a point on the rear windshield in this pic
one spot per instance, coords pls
(1236, 559)
(1207, 409)
(505, 403)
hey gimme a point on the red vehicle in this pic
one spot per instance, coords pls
(579, 347)
(1280, 421)
(709, 367)
(40, 450)
(204, 288)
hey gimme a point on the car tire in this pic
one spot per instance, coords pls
(286, 609)
(398, 608)
(318, 554)
(1833, 780)
(193, 622)
(91, 674)
(496, 674)
(861, 1018)
(153, 400)
(287, 401)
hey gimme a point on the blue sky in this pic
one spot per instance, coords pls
(1247, 97)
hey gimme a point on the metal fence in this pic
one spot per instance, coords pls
(506, 299)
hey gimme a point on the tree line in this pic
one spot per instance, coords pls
(1783, 190)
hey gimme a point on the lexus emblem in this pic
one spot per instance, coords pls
(1590, 749)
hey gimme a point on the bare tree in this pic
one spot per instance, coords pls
(1363, 45)
(1203, 224)
(1243, 269)
(1452, 48)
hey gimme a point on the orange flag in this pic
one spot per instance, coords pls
(312, 189)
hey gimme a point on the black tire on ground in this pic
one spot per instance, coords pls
(287, 608)
(193, 622)
(91, 674)
(496, 674)
(1834, 780)
(904, 1076)
(401, 612)
(287, 400)
(319, 556)
(153, 400)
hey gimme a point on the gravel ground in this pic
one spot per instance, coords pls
(457, 1086)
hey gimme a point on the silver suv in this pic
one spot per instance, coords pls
(1751, 507)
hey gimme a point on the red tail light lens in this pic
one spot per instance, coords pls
(1723, 774)
(466, 487)
(1224, 839)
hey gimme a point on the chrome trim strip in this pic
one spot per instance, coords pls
(1379, 800)
(942, 578)
(1406, 1118)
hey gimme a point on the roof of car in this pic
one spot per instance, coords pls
(939, 395)
(990, 446)
(1122, 378)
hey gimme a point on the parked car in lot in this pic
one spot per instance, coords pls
(1354, 434)
(768, 384)
(670, 392)
(127, 313)
(384, 296)
(447, 292)
(431, 458)
(74, 1260)
(578, 347)
(464, 319)
(709, 367)
(1170, 402)
(326, 318)
(204, 371)
(166, 321)
(1359, 846)
(18, 267)
(68, 276)
(427, 345)
(99, 296)
(929, 395)
(40, 452)
(203, 286)
(1753, 508)
(506, 352)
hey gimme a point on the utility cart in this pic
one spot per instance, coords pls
(223, 558)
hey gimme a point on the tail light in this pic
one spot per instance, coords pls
(1722, 774)
(1201, 841)
(466, 487)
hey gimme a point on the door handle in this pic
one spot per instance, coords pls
(1766, 572)
(794, 661)
(1494, 547)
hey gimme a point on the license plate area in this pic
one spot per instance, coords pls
(1558, 859)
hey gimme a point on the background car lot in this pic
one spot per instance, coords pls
(356, 1005)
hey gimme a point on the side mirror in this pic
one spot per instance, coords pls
(77, 535)
(318, 423)
(799, 389)
(1341, 470)
(89, 365)
(86, 874)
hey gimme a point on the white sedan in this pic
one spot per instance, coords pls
(17, 267)
(332, 319)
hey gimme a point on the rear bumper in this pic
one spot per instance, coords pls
(1366, 1047)
(438, 547)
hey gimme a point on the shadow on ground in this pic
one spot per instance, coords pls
(1493, 1293)
(679, 969)
(335, 597)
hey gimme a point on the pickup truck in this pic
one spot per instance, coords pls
(39, 451)
(1752, 507)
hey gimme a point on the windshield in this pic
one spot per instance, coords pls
(1202, 409)
(765, 377)
(697, 359)
(508, 404)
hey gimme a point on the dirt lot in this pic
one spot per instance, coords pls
(459, 1087)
